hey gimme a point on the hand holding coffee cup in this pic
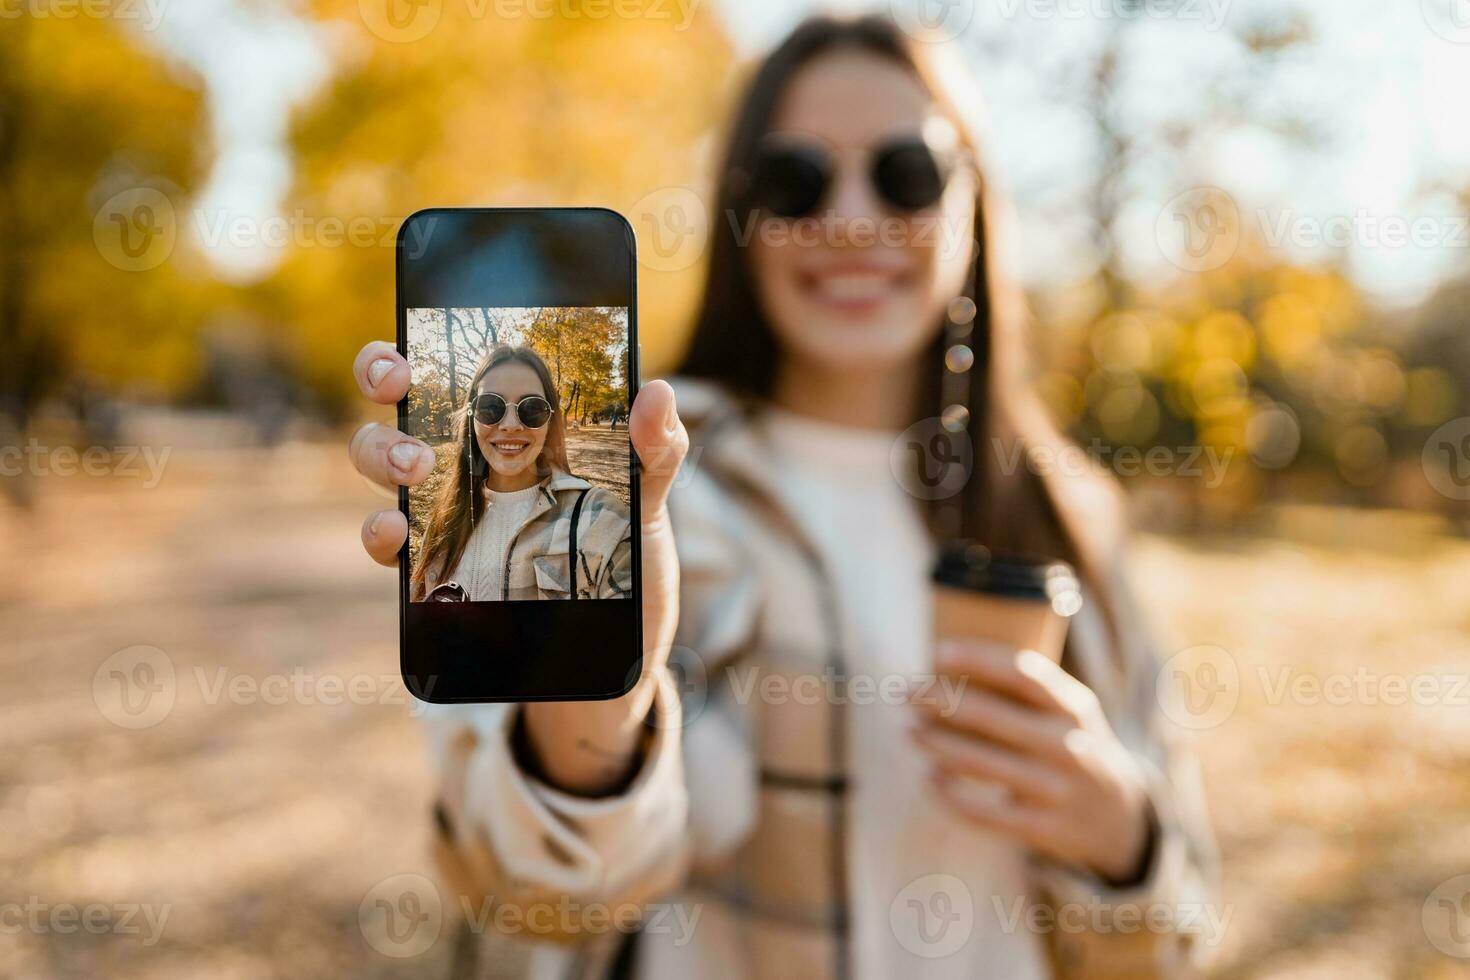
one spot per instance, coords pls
(1026, 751)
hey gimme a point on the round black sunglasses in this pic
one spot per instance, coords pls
(790, 179)
(490, 408)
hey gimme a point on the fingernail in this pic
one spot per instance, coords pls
(404, 455)
(671, 415)
(373, 524)
(378, 370)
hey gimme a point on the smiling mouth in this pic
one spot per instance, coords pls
(856, 290)
(509, 448)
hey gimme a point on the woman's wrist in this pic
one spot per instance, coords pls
(581, 747)
(1137, 859)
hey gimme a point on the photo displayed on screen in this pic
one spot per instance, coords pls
(527, 411)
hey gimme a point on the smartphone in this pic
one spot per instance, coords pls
(521, 577)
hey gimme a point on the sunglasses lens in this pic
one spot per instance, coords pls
(909, 176)
(790, 181)
(533, 412)
(489, 409)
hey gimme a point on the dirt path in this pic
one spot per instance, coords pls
(601, 455)
(263, 821)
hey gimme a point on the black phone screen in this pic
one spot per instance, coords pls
(520, 579)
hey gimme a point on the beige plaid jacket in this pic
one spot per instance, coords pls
(738, 810)
(537, 566)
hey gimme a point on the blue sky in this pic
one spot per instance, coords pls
(1386, 84)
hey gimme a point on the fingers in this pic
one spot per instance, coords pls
(1024, 675)
(1004, 721)
(381, 372)
(1028, 823)
(965, 756)
(389, 457)
(661, 442)
(383, 534)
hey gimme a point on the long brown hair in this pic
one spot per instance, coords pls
(1011, 506)
(460, 502)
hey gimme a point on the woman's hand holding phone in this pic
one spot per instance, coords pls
(585, 747)
(1073, 791)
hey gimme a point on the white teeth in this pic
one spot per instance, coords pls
(854, 287)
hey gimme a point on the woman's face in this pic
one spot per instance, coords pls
(859, 284)
(510, 447)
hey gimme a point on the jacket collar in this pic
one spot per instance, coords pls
(724, 431)
(559, 481)
(727, 437)
(547, 490)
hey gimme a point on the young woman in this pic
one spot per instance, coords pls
(500, 526)
(801, 821)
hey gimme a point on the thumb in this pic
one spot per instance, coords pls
(661, 443)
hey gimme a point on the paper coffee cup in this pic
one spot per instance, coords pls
(1020, 603)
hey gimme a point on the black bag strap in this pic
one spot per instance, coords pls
(572, 555)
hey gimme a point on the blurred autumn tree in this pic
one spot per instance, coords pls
(585, 348)
(100, 140)
(1285, 372)
(579, 108)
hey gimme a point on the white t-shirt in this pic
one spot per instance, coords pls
(838, 482)
(481, 569)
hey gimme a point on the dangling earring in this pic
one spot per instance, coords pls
(964, 353)
(478, 464)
